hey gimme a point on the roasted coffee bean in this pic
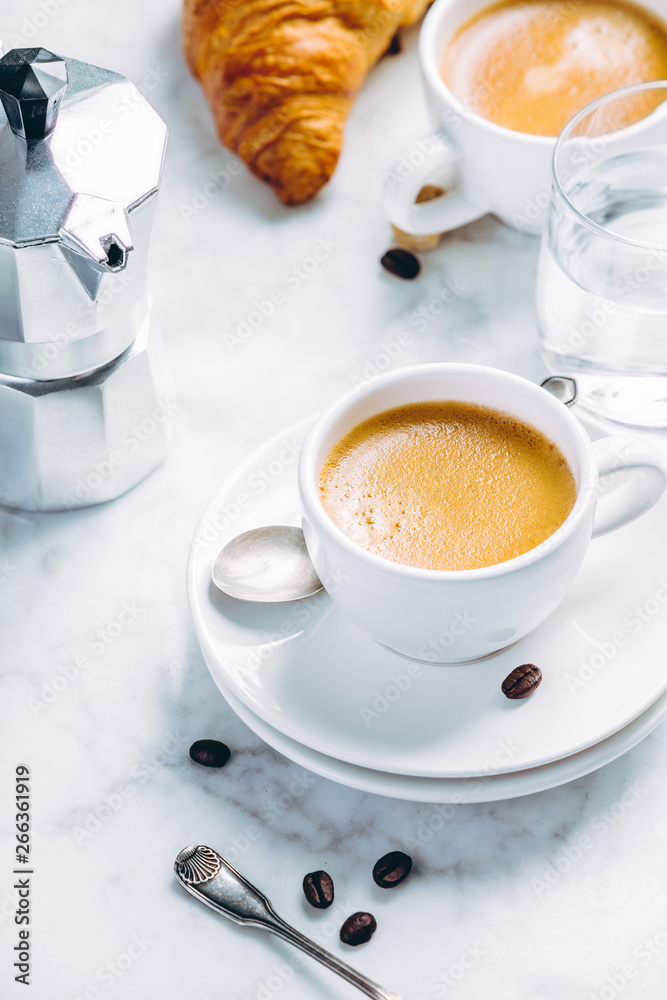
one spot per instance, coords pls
(394, 46)
(402, 263)
(358, 929)
(522, 681)
(392, 869)
(210, 753)
(318, 889)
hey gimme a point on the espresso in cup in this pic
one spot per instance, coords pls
(446, 485)
(530, 65)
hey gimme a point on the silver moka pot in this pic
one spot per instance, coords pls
(82, 418)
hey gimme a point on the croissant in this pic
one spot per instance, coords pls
(280, 77)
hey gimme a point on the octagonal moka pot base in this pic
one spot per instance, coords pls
(74, 442)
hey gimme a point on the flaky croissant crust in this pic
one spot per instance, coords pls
(280, 77)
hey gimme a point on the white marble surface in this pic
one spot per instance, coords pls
(494, 908)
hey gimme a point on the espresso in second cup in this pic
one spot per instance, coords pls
(530, 65)
(446, 485)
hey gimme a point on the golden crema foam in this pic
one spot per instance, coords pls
(529, 65)
(446, 485)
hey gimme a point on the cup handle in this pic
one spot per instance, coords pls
(618, 504)
(433, 158)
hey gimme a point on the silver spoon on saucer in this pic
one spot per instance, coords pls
(267, 565)
(208, 877)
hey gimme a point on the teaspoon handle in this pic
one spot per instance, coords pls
(362, 983)
(207, 876)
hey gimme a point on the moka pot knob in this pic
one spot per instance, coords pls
(32, 85)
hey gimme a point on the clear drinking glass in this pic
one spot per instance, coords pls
(602, 276)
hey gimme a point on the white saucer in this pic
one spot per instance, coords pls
(490, 787)
(314, 677)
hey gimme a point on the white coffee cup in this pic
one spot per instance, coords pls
(482, 166)
(457, 615)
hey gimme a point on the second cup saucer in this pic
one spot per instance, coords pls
(315, 677)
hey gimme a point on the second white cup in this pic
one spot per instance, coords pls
(483, 166)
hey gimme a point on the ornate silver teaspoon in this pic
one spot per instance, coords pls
(266, 565)
(208, 877)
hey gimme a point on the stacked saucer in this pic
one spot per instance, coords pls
(316, 688)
